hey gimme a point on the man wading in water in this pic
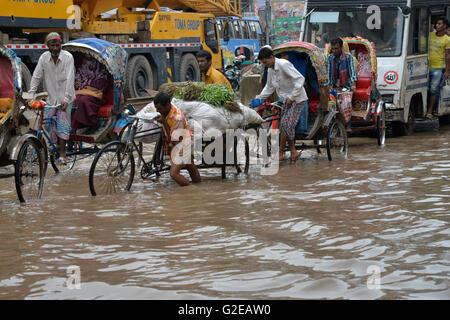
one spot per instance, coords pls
(283, 78)
(173, 119)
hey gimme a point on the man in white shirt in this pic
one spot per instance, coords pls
(56, 68)
(283, 78)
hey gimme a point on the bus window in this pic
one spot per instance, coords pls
(211, 36)
(244, 29)
(424, 30)
(220, 26)
(323, 27)
(253, 29)
(237, 30)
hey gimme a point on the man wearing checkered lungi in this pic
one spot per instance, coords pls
(284, 78)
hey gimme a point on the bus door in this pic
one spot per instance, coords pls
(444, 96)
(415, 79)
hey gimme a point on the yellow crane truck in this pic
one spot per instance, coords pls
(161, 37)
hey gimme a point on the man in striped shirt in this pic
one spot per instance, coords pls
(175, 132)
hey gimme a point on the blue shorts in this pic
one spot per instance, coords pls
(435, 81)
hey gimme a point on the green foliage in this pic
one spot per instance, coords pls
(216, 95)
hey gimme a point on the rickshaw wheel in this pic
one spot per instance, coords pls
(123, 136)
(72, 147)
(381, 128)
(241, 161)
(112, 170)
(242, 167)
(337, 140)
(29, 171)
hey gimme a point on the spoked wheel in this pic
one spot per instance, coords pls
(241, 160)
(112, 170)
(381, 128)
(270, 148)
(72, 149)
(29, 171)
(123, 136)
(153, 169)
(337, 140)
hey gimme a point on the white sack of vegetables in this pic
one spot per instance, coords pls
(216, 109)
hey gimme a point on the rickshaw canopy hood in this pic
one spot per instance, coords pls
(370, 46)
(16, 65)
(316, 55)
(112, 55)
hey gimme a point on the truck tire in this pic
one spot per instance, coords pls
(26, 78)
(189, 69)
(139, 76)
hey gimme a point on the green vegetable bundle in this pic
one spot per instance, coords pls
(216, 95)
(189, 91)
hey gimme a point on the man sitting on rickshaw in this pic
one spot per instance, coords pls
(342, 76)
(285, 79)
(91, 82)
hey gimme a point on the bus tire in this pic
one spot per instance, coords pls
(139, 76)
(26, 78)
(189, 69)
(405, 129)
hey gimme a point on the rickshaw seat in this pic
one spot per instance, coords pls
(105, 111)
(363, 87)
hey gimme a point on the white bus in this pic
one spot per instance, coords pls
(400, 31)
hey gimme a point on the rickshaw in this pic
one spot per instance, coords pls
(321, 123)
(110, 117)
(368, 110)
(17, 147)
(113, 168)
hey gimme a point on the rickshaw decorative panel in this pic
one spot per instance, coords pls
(316, 55)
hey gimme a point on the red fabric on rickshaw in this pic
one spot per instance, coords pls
(363, 86)
(314, 101)
(105, 111)
(6, 79)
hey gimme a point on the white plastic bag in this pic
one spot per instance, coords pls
(148, 130)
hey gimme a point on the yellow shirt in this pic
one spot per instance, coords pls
(214, 76)
(436, 50)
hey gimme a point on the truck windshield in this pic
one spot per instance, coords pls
(386, 32)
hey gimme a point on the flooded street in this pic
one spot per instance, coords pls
(319, 229)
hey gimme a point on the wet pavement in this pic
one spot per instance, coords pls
(374, 226)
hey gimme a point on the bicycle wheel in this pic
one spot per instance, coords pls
(112, 170)
(70, 163)
(123, 136)
(241, 160)
(381, 128)
(29, 171)
(337, 140)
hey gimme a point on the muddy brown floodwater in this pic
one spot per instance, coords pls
(374, 226)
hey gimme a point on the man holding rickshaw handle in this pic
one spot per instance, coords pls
(56, 67)
(285, 79)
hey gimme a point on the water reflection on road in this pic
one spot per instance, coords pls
(315, 230)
